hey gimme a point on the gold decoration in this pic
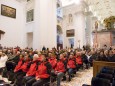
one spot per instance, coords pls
(109, 22)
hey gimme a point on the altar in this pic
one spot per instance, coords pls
(104, 37)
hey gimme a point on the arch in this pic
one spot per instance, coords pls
(1, 32)
(59, 37)
(58, 5)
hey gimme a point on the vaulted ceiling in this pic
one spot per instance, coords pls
(100, 8)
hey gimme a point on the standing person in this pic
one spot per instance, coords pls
(89, 59)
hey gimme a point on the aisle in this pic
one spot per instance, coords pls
(82, 77)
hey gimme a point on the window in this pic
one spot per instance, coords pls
(30, 15)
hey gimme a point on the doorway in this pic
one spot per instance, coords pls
(59, 37)
(71, 42)
(30, 40)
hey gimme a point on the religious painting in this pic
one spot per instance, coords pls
(30, 16)
(70, 33)
(8, 11)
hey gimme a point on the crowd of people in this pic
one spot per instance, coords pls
(32, 67)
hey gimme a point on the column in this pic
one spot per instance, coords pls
(45, 24)
(89, 27)
(80, 29)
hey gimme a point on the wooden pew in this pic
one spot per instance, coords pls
(97, 65)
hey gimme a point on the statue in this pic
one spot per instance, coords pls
(70, 18)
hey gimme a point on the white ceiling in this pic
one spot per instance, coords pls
(100, 8)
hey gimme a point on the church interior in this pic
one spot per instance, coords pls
(57, 42)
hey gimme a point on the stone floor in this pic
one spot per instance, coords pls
(81, 77)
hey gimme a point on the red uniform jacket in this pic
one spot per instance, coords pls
(24, 67)
(18, 66)
(39, 59)
(53, 62)
(43, 70)
(60, 67)
(32, 69)
(79, 60)
(71, 63)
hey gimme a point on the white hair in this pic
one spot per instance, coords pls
(35, 56)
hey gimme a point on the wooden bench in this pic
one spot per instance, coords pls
(97, 65)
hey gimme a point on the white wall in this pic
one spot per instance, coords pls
(13, 27)
(78, 24)
(43, 27)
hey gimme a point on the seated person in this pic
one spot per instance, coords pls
(79, 61)
(3, 59)
(53, 61)
(12, 62)
(60, 68)
(71, 66)
(111, 56)
(32, 70)
(21, 69)
(102, 57)
(42, 75)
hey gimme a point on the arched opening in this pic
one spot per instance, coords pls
(58, 5)
(59, 37)
(1, 32)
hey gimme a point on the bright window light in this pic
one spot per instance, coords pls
(77, 1)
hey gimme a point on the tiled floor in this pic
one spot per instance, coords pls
(82, 77)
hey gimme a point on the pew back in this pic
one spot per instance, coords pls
(97, 65)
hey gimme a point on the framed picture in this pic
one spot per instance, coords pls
(8, 11)
(70, 33)
(30, 15)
